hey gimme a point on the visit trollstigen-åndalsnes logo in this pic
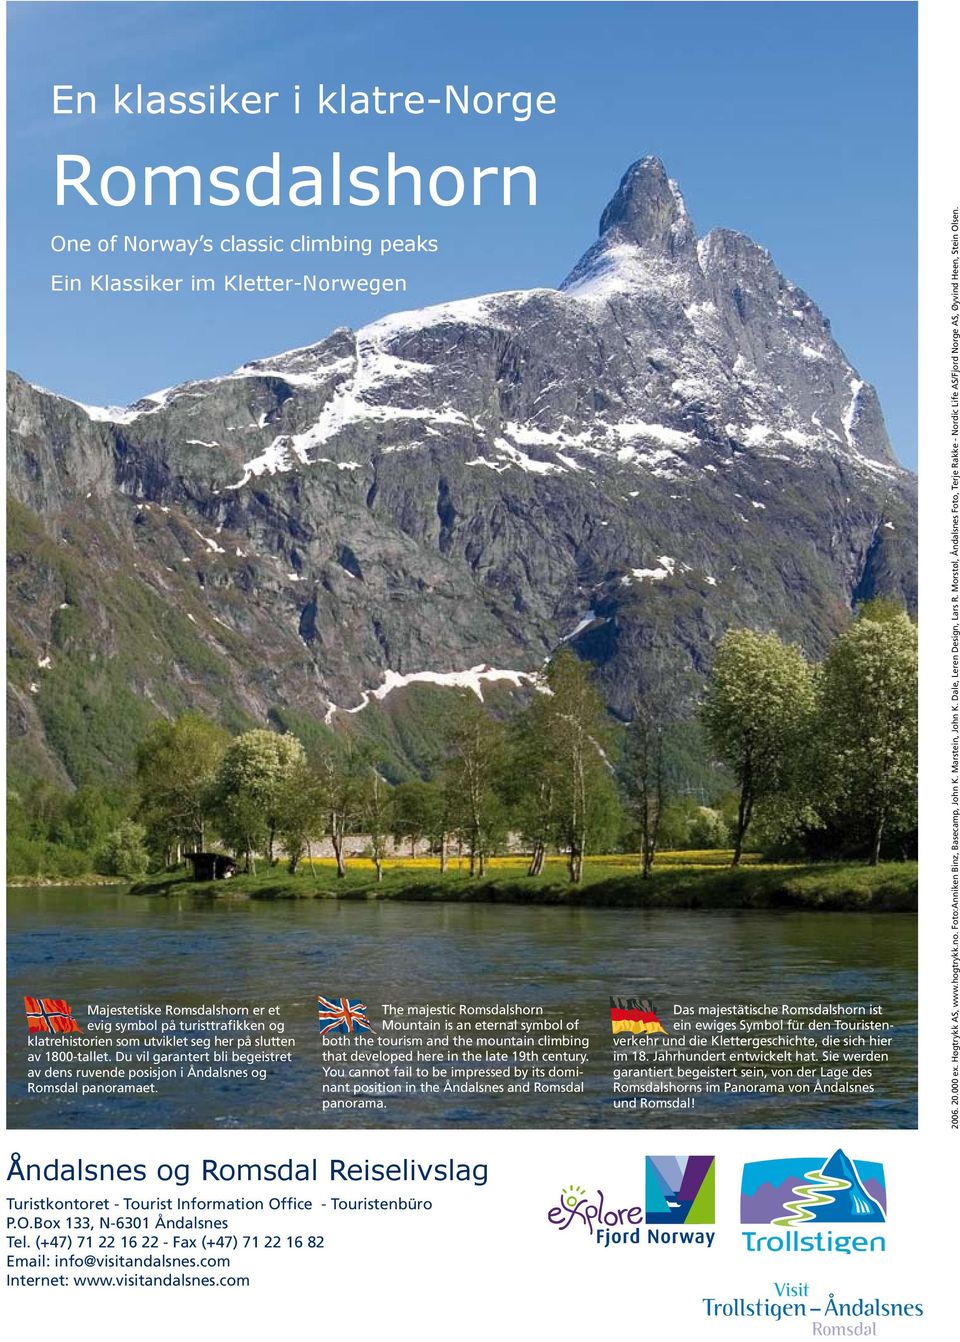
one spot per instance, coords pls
(805, 1193)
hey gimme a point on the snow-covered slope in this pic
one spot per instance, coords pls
(702, 343)
(671, 441)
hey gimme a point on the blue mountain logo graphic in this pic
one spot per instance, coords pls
(796, 1191)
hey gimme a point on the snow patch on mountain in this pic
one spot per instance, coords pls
(755, 435)
(666, 569)
(517, 457)
(479, 311)
(474, 680)
(850, 415)
(585, 621)
(276, 366)
(676, 439)
(622, 269)
(210, 544)
(126, 414)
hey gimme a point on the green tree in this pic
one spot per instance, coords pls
(124, 852)
(177, 767)
(529, 784)
(880, 610)
(342, 774)
(709, 830)
(868, 724)
(644, 773)
(676, 819)
(411, 813)
(44, 805)
(574, 779)
(687, 823)
(420, 811)
(251, 786)
(377, 816)
(242, 827)
(438, 821)
(759, 714)
(88, 816)
(661, 750)
(475, 749)
(300, 814)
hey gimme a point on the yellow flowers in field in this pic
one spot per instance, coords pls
(612, 863)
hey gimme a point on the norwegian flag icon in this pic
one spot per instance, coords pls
(49, 1015)
(342, 1015)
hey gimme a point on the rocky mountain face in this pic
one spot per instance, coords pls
(668, 444)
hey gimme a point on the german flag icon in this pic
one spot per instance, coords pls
(631, 1015)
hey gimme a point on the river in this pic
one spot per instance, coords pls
(102, 945)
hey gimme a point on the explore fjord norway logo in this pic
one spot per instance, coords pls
(681, 1190)
(605, 1223)
(795, 1192)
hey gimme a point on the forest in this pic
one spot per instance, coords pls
(814, 762)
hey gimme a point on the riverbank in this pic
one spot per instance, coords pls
(841, 887)
(44, 882)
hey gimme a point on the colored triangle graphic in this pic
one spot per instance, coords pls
(703, 1211)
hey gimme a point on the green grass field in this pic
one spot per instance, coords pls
(680, 880)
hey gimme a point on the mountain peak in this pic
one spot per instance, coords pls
(851, 1203)
(648, 211)
(670, 445)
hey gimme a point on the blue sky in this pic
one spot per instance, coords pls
(792, 122)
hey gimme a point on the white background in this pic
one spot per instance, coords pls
(486, 1261)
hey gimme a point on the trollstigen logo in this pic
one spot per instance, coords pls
(802, 1189)
(681, 1190)
(605, 1224)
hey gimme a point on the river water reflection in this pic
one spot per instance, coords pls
(103, 945)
